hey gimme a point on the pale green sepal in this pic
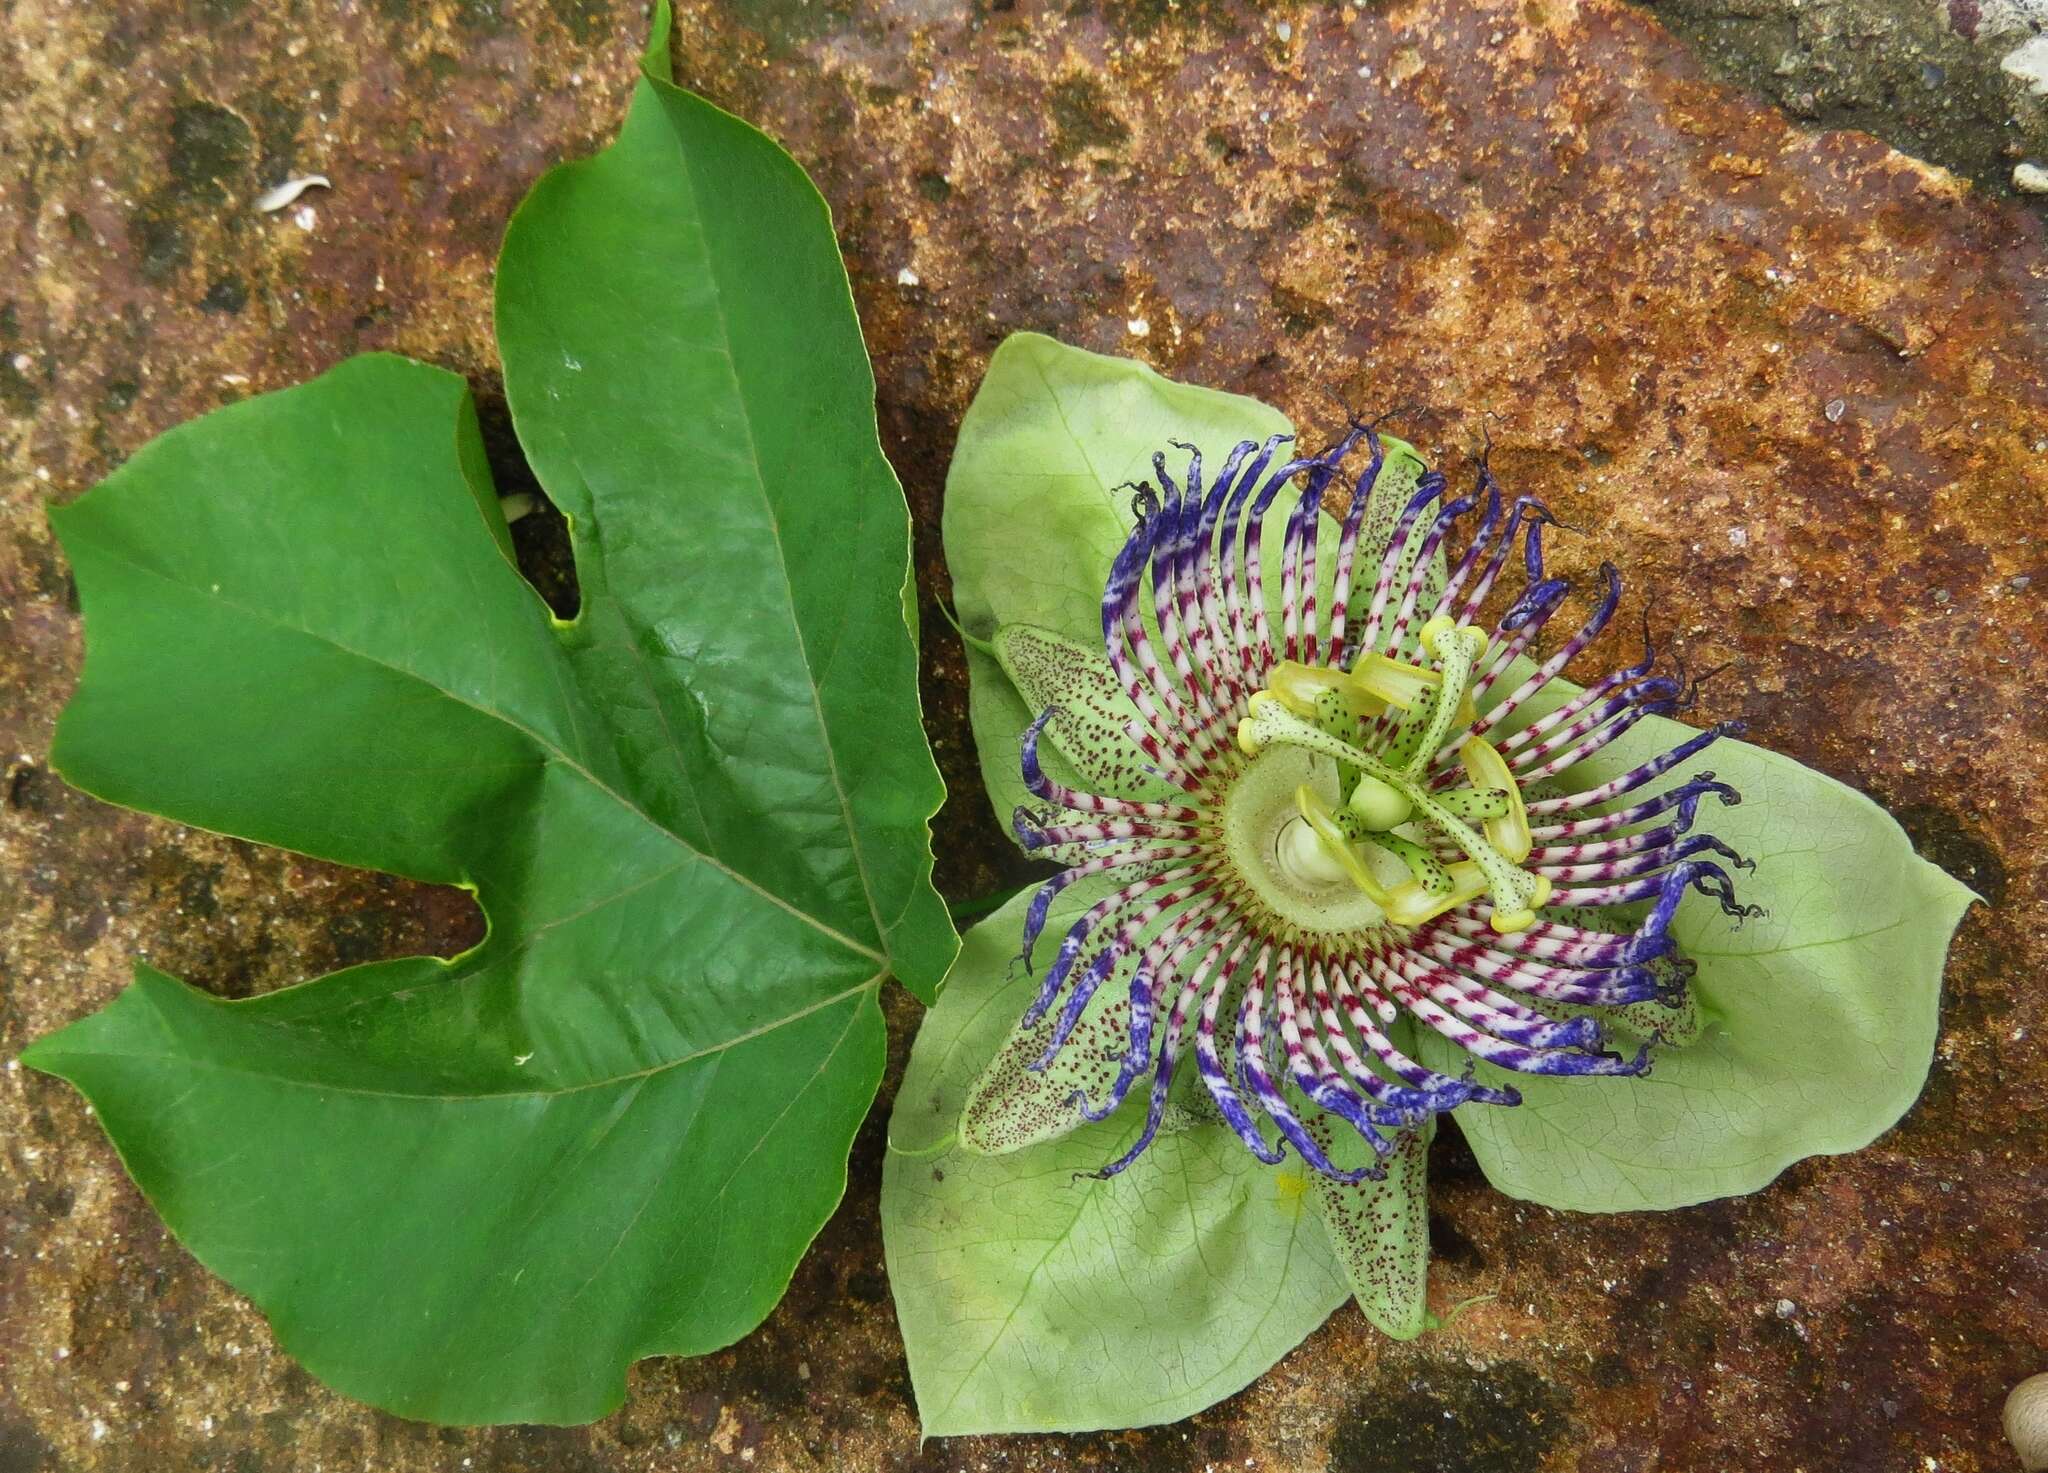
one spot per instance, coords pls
(1050, 670)
(1380, 1229)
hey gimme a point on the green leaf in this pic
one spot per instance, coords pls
(675, 321)
(1034, 515)
(478, 1190)
(1035, 1299)
(1817, 1020)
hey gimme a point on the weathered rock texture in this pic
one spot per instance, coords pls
(1794, 382)
(1961, 83)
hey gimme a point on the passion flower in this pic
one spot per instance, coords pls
(1369, 810)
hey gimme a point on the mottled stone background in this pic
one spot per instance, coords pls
(1796, 382)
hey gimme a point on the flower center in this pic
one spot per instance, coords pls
(1280, 858)
(1375, 815)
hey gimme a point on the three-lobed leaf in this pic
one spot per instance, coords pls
(695, 817)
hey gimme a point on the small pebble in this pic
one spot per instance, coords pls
(1786, 1309)
(906, 277)
(1836, 409)
(1285, 31)
(2030, 179)
(512, 508)
(1138, 327)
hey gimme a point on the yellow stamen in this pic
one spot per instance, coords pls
(1303, 688)
(1411, 904)
(1488, 769)
(1395, 682)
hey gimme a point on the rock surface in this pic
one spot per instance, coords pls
(1961, 83)
(1794, 382)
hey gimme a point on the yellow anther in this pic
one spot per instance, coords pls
(1298, 686)
(1322, 821)
(1488, 769)
(1396, 682)
(1411, 905)
(1507, 922)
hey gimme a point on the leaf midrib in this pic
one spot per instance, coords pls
(324, 1087)
(550, 750)
(746, 417)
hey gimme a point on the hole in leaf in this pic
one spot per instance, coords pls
(540, 538)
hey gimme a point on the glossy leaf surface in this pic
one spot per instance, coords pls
(695, 818)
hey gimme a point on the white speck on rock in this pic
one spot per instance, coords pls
(1138, 327)
(906, 277)
(1786, 1309)
(99, 1430)
(279, 195)
(1285, 31)
(305, 217)
(2030, 178)
(1835, 410)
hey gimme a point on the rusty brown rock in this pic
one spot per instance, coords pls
(1795, 383)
